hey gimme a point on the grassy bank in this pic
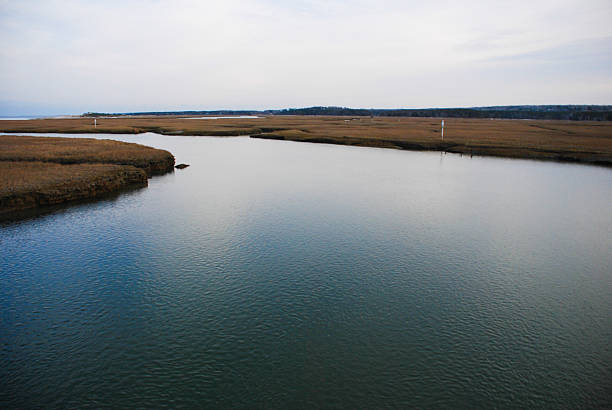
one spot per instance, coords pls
(83, 151)
(39, 171)
(579, 141)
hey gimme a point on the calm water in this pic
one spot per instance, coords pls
(279, 274)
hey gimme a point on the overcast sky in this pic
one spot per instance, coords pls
(116, 56)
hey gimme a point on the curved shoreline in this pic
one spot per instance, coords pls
(586, 158)
(587, 142)
(512, 152)
(42, 171)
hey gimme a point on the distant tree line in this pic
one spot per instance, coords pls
(539, 112)
(218, 112)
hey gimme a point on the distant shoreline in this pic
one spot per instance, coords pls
(564, 141)
(483, 151)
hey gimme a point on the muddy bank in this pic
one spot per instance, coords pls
(37, 184)
(601, 158)
(40, 171)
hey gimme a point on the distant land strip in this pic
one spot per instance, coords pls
(555, 140)
(536, 112)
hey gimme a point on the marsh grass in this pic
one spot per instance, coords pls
(585, 141)
(24, 177)
(39, 171)
(77, 150)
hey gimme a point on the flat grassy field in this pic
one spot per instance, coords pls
(39, 171)
(84, 150)
(579, 141)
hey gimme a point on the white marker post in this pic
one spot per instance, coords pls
(443, 130)
(95, 123)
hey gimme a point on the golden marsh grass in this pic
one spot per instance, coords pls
(583, 141)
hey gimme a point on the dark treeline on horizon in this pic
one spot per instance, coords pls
(536, 112)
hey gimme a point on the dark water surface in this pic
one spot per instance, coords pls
(281, 274)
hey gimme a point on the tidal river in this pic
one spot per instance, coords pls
(281, 274)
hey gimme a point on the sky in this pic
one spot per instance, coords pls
(70, 57)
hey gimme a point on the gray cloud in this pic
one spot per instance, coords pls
(76, 56)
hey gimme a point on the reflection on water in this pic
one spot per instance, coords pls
(280, 274)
